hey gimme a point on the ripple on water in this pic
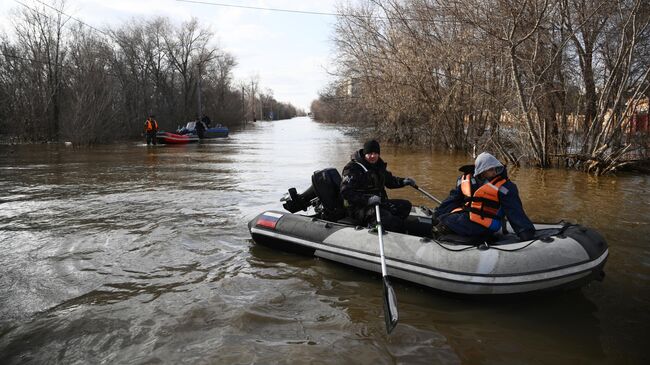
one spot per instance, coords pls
(124, 254)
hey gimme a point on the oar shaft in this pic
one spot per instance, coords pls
(380, 233)
(391, 315)
(428, 195)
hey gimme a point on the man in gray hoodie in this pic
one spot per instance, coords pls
(483, 196)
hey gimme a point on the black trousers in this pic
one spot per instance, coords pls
(392, 212)
(151, 138)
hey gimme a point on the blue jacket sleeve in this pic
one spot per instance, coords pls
(451, 202)
(514, 211)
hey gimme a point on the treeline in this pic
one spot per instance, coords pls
(63, 80)
(540, 81)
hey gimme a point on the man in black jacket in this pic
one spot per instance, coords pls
(363, 186)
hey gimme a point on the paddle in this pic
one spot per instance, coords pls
(427, 194)
(390, 301)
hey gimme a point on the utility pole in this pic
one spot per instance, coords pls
(253, 105)
(198, 92)
(243, 107)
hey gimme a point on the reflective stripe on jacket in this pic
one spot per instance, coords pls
(483, 204)
(361, 180)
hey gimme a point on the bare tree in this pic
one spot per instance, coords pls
(621, 88)
(585, 21)
(85, 83)
(187, 49)
(40, 34)
(89, 113)
(497, 74)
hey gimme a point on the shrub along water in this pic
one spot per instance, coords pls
(538, 81)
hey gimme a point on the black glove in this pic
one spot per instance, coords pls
(408, 181)
(374, 200)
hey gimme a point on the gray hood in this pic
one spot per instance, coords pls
(484, 162)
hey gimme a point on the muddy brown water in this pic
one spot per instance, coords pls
(130, 254)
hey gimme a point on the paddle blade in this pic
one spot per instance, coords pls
(390, 306)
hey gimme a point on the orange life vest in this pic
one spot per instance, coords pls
(483, 204)
(150, 125)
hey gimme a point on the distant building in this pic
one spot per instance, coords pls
(638, 116)
(349, 88)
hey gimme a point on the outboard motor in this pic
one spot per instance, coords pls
(294, 202)
(327, 183)
(323, 194)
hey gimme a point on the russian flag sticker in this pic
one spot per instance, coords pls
(268, 219)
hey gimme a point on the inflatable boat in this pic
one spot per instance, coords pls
(174, 138)
(216, 132)
(204, 132)
(560, 255)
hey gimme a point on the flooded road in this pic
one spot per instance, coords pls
(131, 254)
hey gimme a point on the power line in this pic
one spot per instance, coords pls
(315, 12)
(71, 17)
(66, 25)
(62, 13)
(260, 8)
(72, 67)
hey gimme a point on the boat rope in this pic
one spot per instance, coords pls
(455, 250)
(514, 249)
(561, 231)
(484, 245)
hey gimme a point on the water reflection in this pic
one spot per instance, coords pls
(519, 329)
(451, 328)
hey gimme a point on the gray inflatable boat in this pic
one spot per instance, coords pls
(560, 255)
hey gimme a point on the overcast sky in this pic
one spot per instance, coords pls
(290, 52)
